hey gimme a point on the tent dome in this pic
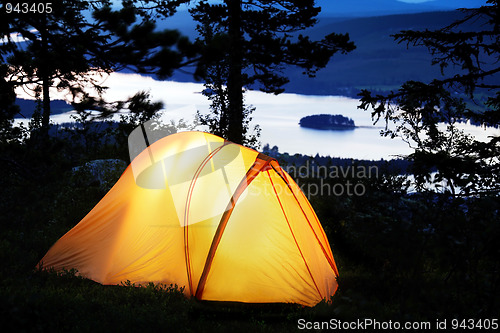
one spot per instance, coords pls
(220, 219)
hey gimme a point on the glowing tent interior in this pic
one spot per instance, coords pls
(223, 220)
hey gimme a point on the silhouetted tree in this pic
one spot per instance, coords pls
(255, 41)
(66, 49)
(61, 49)
(426, 115)
(8, 109)
(216, 89)
(135, 42)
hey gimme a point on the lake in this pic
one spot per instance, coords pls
(278, 117)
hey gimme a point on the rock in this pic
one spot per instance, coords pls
(102, 173)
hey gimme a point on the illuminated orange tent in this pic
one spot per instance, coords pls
(223, 220)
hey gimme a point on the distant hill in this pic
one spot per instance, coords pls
(183, 21)
(378, 63)
(365, 8)
(27, 107)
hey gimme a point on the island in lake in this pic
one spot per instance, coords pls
(327, 122)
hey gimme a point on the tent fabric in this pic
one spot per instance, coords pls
(194, 210)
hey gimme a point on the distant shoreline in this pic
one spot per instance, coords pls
(332, 128)
(343, 129)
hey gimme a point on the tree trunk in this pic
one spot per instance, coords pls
(45, 104)
(44, 73)
(235, 80)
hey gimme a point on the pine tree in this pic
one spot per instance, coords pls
(60, 51)
(260, 39)
(71, 44)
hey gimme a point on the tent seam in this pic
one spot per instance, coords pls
(293, 235)
(186, 212)
(330, 261)
(223, 222)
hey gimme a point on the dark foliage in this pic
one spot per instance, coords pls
(401, 256)
(427, 115)
(71, 45)
(248, 44)
(134, 41)
(61, 47)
